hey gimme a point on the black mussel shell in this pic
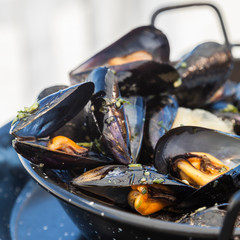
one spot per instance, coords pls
(135, 110)
(146, 38)
(225, 147)
(50, 90)
(76, 128)
(53, 112)
(202, 72)
(215, 192)
(109, 181)
(108, 114)
(161, 113)
(37, 153)
(144, 78)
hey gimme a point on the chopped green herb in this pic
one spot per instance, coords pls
(92, 108)
(160, 124)
(103, 109)
(135, 165)
(113, 71)
(143, 179)
(230, 108)
(110, 120)
(222, 169)
(177, 83)
(146, 173)
(85, 144)
(120, 102)
(26, 112)
(139, 204)
(134, 136)
(98, 146)
(144, 191)
(32, 108)
(200, 209)
(184, 65)
(158, 180)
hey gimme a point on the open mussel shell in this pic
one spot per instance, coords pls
(38, 153)
(147, 39)
(110, 181)
(53, 112)
(107, 111)
(202, 72)
(224, 147)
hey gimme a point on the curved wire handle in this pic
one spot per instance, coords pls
(156, 13)
(229, 220)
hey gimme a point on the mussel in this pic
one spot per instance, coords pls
(33, 127)
(161, 114)
(142, 43)
(107, 112)
(142, 187)
(203, 71)
(190, 153)
(140, 61)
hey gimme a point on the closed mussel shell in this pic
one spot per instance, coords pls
(202, 72)
(110, 181)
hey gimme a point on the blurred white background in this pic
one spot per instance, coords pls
(41, 41)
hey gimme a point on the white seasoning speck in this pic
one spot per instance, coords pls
(28, 194)
(45, 228)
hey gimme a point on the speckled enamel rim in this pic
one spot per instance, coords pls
(118, 215)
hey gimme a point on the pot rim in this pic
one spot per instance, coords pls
(111, 213)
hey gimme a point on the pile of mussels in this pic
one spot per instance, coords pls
(111, 129)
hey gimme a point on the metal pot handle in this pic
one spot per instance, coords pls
(230, 218)
(157, 12)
